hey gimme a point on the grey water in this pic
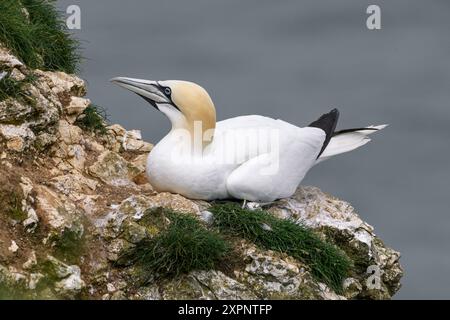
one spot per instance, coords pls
(296, 60)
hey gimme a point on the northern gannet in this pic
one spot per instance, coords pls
(252, 158)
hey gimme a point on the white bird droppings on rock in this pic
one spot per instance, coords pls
(13, 247)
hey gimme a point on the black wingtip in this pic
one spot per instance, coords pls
(327, 123)
(335, 111)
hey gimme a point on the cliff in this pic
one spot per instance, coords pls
(79, 220)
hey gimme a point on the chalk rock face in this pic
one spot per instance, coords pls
(339, 222)
(75, 204)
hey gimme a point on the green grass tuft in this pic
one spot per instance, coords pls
(16, 33)
(94, 119)
(183, 247)
(52, 41)
(40, 40)
(327, 262)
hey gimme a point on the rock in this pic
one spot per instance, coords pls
(68, 133)
(76, 156)
(117, 130)
(119, 295)
(137, 145)
(175, 202)
(118, 251)
(60, 82)
(57, 211)
(114, 170)
(132, 208)
(207, 217)
(14, 111)
(31, 262)
(13, 247)
(129, 140)
(69, 276)
(76, 107)
(72, 284)
(222, 287)
(110, 287)
(17, 137)
(352, 288)
(148, 293)
(44, 140)
(75, 186)
(35, 279)
(8, 60)
(17, 75)
(275, 277)
(206, 285)
(339, 222)
(31, 221)
(94, 146)
(140, 162)
(132, 141)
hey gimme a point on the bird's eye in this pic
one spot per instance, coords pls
(167, 91)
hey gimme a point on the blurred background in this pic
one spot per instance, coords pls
(295, 60)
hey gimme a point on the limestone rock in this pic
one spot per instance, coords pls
(13, 247)
(60, 82)
(13, 111)
(69, 134)
(114, 170)
(275, 277)
(132, 141)
(222, 287)
(17, 137)
(69, 282)
(76, 107)
(339, 222)
(8, 60)
(74, 185)
(54, 210)
(206, 285)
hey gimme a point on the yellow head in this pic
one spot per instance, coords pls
(184, 103)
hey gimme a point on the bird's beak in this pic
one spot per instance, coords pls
(147, 89)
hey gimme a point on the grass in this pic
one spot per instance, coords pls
(94, 119)
(327, 262)
(185, 245)
(11, 88)
(40, 40)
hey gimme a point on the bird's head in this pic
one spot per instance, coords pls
(183, 102)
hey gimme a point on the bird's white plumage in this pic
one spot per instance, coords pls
(259, 174)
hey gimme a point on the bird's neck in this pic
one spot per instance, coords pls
(192, 136)
(195, 129)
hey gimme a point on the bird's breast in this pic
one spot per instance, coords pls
(192, 176)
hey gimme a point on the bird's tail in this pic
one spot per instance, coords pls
(348, 140)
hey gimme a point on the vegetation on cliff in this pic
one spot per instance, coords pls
(38, 36)
(327, 262)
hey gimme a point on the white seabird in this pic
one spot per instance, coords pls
(252, 158)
